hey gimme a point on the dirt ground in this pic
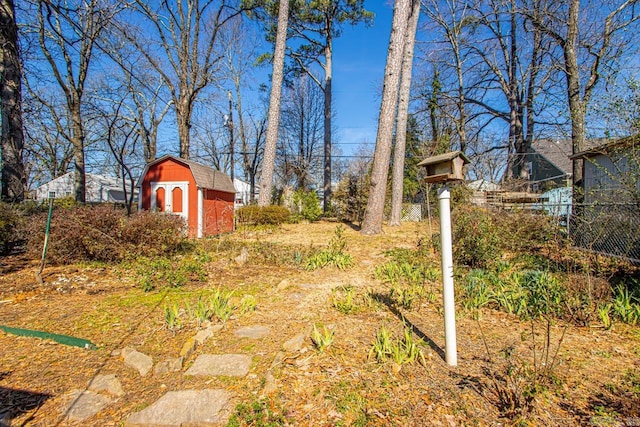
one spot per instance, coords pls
(341, 386)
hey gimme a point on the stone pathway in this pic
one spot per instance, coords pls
(228, 365)
(181, 407)
(84, 404)
(185, 407)
(253, 332)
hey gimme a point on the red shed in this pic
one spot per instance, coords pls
(203, 196)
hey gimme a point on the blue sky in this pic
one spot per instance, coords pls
(360, 54)
(359, 60)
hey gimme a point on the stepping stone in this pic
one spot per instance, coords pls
(136, 360)
(230, 365)
(185, 407)
(84, 404)
(203, 335)
(188, 347)
(253, 332)
(169, 365)
(294, 344)
(106, 383)
(243, 257)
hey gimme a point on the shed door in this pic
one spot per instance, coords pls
(171, 197)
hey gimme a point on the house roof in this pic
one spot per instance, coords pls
(610, 147)
(556, 151)
(205, 176)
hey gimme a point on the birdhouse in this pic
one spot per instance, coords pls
(445, 167)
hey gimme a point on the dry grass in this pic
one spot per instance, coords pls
(340, 386)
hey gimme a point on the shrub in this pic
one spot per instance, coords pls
(262, 215)
(77, 234)
(524, 231)
(100, 233)
(147, 234)
(350, 198)
(307, 205)
(11, 221)
(476, 241)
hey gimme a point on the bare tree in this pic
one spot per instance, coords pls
(403, 113)
(211, 143)
(266, 180)
(590, 40)
(179, 40)
(45, 142)
(13, 179)
(453, 19)
(248, 128)
(511, 67)
(619, 107)
(317, 24)
(372, 223)
(253, 151)
(67, 34)
(147, 101)
(300, 143)
(121, 136)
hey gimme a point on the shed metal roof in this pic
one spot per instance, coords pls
(205, 176)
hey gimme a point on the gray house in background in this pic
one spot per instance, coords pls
(100, 189)
(551, 166)
(611, 172)
(609, 220)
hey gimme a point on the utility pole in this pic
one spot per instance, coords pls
(230, 123)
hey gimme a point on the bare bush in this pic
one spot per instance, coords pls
(101, 233)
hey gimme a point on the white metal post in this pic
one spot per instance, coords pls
(451, 352)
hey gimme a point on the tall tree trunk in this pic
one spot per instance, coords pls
(530, 97)
(78, 153)
(461, 123)
(433, 108)
(374, 212)
(266, 180)
(231, 141)
(12, 138)
(512, 97)
(327, 123)
(576, 106)
(183, 114)
(397, 179)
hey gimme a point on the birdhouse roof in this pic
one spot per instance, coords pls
(446, 157)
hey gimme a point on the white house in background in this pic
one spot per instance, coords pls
(100, 189)
(243, 192)
(482, 185)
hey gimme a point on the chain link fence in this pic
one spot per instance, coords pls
(610, 229)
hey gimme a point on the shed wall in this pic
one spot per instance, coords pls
(218, 212)
(170, 170)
